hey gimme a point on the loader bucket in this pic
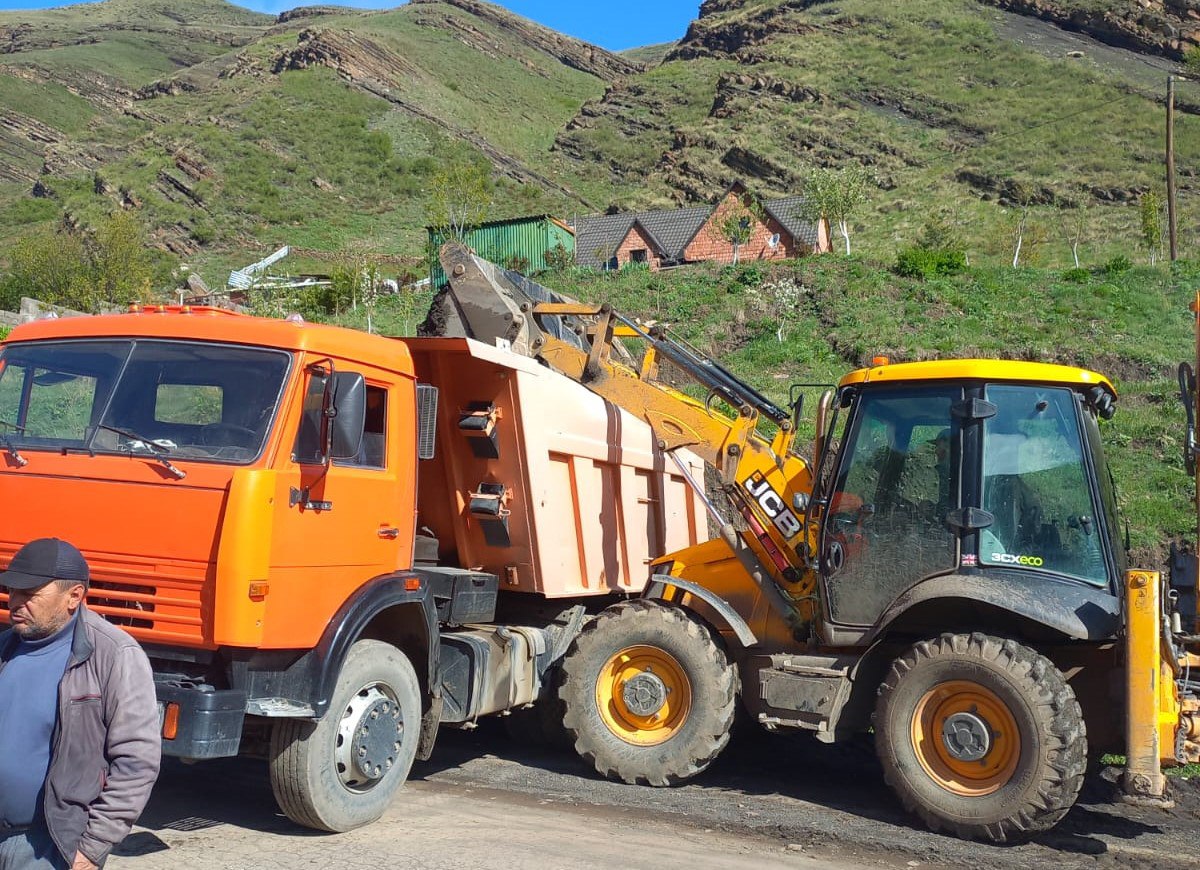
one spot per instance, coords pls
(495, 305)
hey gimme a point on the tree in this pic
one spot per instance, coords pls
(780, 300)
(459, 199)
(357, 276)
(835, 194)
(120, 262)
(738, 223)
(1150, 210)
(1074, 224)
(111, 266)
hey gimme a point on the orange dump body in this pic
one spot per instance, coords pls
(585, 501)
(260, 551)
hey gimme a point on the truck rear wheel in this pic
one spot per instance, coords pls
(648, 694)
(981, 737)
(341, 772)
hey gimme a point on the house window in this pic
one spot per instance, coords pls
(639, 255)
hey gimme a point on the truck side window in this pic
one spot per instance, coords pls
(373, 452)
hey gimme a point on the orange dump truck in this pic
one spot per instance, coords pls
(329, 543)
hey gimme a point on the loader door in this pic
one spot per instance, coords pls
(885, 528)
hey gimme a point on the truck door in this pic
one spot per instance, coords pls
(341, 521)
(886, 526)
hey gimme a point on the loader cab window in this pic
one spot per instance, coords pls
(886, 526)
(1036, 486)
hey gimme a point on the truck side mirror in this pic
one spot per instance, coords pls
(348, 415)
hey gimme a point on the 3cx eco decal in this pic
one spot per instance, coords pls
(1011, 559)
(772, 504)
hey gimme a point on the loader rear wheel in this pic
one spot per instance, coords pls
(648, 694)
(981, 737)
(342, 771)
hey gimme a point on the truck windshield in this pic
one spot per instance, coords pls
(1036, 486)
(184, 399)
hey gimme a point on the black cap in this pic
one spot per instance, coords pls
(43, 560)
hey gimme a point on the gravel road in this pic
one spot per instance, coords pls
(485, 800)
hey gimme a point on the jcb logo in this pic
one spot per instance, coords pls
(1010, 559)
(772, 505)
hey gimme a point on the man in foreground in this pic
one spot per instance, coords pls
(79, 734)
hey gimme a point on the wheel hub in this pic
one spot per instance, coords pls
(369, 738)
(644, 694)
(967, 736)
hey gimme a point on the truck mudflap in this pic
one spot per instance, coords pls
(199, 721)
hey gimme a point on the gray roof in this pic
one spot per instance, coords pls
(789, 211)
(673, 229)
(599, 234)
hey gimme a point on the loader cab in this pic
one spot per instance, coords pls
(974, 469)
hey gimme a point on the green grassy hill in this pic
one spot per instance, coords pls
(956, 107)
(228, 132)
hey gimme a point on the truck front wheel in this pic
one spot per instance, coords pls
(649, 694)
(981, 737)
(341, 772)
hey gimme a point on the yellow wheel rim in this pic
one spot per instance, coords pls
(643, 695)
(966, 738)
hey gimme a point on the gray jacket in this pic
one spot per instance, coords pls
(106, 746)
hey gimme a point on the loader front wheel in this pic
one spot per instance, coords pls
(981, 737)
(648, 694)
(341, 772)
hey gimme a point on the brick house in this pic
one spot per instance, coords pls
(776, 230)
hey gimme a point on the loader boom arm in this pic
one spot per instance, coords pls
(765, 482)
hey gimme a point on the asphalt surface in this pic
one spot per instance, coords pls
(486, 800)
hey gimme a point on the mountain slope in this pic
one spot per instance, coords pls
(227, 129)
(940, 99)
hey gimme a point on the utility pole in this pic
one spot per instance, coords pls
(1171, 234)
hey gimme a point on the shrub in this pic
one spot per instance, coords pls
(559, 258)
(918, 262)
(1118, 265)
(1077, 275)
(1191, 60)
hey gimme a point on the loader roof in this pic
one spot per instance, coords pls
(979, 370)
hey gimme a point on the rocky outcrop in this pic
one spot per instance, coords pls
(313, 12)
(712, 36)
(1166, 27)
(351, 56)
(572, 52)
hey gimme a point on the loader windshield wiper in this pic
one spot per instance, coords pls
(154, 449)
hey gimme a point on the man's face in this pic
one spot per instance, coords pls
(40, 612)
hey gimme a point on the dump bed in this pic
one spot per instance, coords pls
(541, 482)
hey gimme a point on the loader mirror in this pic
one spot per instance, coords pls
(347, 414)
(797, 404)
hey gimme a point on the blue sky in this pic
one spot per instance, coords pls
(613, 24)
